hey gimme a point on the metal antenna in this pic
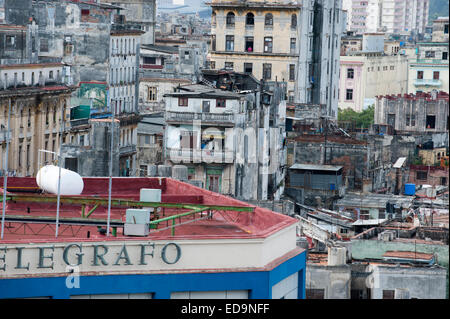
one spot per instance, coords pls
(5, 169)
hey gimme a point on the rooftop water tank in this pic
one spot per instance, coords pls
(410, 189)
(71, 182)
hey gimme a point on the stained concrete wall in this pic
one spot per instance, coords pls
(93, 160)
(422, 283)
(335, 280)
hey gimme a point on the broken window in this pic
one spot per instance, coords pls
(229, 45)
(431, 121)
(268, 44)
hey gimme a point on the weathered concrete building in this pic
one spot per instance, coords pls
(440, 30)
(264, 38)
(38, 109)
(150, 134)
(421, 112)
(87, 149)
(141, 12)
(364, 75)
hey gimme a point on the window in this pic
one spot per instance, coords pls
(183, 101)
(248, 67)
(43, 45)
(213, 19)
(291, 72)
(212, 64)
(444, 55)
(421, 175)
(388, 294)
(32, 78)
(205, 106)
(267, 71)
(349, 95)
(429, 54)
(229, 45)
(10, 42)
(84, 12)
(385, 68)
(249, 44)
(419, 75)
(221, 103)
(293, 45)
(436, 75)
(268, 20)
(149, 60)
(152, 94)
(445, 28)
(315, 293)
(294, 21)
(392, 67)
(50, 75)
(250, 19)
(431, 121)
(229, 65)
(350, 73)
(230, 19)
(268, 44)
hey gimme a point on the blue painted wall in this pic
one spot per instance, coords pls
(259, 283)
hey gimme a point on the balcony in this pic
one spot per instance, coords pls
(189, 155)
(127, 150)
(426, 82)
(79, 122)
(224, 119)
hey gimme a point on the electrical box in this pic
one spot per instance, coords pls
(150, 195)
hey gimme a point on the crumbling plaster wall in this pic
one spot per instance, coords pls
(335, 280)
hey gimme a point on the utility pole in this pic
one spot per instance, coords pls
(110, 166)
(5, 169)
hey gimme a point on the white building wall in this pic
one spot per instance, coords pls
(286, 288)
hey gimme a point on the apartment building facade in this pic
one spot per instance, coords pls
(363, 76)
(405, 17)
(292, 41)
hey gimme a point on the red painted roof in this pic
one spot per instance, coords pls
(258, 224)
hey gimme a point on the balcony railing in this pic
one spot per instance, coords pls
(78, 122)
(218, 118)
(188, 155)
(426, 82)
(126, 150)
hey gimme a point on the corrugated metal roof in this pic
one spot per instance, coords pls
(311, 167)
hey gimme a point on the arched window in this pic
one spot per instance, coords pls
(213, 19)
(230, 19)
(268, 19)
(250, 19)
(294, 21)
